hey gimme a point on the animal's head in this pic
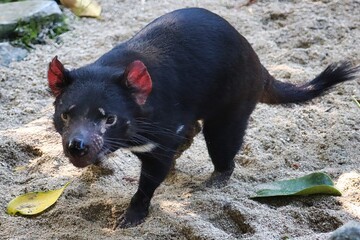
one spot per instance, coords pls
(95, 107)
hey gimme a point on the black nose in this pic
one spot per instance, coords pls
(77, 147)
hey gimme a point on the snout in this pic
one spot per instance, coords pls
(77, 147)
(82, 150)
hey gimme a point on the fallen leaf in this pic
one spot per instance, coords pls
(34, 202)
(83, 8)
(20, 168)
(315, 183)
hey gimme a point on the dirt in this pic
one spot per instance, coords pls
(294, 39)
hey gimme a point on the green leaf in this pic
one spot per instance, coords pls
(315, 183)
(35, 30)
(34, 202)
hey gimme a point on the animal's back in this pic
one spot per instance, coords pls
(200, 54)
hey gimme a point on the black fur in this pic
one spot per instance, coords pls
(201, 69)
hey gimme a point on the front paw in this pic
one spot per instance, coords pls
(130, 218)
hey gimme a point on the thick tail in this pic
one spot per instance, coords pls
(276, 92)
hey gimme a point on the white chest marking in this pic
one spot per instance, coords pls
(179, 129)
(148, 147)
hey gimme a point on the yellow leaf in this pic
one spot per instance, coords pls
(83, 8)
(34, 202)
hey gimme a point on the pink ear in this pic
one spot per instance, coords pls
(55, 76)
(138, 77)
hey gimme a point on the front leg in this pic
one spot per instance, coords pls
(154, 169)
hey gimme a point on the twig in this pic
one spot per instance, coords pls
(356, 101)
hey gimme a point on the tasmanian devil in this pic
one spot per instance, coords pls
(148, 94)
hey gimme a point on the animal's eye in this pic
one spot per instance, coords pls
(111, 120)
(65, 117)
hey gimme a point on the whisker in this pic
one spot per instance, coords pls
(150, 177)
(160, 146)
(112, 146)
(140, 189)
(155, 128)
(117, 165)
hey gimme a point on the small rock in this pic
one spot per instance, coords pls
(349, 231)
(10, 54)
(12, 12)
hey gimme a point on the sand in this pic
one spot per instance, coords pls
(295, 40)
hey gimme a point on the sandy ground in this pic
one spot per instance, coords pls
(294, 39)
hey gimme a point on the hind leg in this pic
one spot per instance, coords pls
(224, 135)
